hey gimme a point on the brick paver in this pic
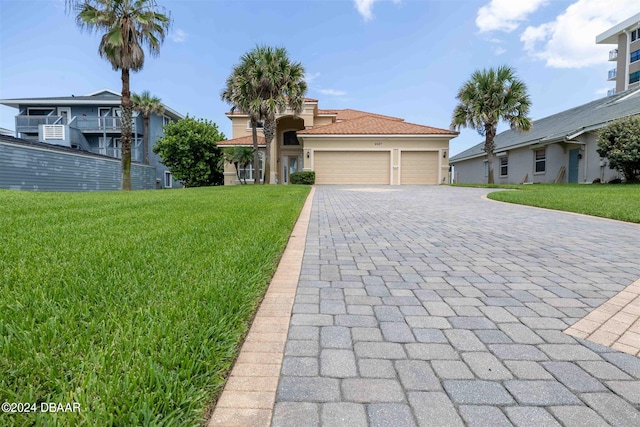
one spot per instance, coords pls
(431, 306)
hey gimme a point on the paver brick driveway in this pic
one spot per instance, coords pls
(431, 306)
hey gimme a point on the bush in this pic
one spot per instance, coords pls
(620, 143)
(308, 178)
(188, 148)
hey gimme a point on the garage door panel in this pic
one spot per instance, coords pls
(419, 167)
(352, 167)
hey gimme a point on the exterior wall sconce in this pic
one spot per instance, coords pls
(444, 154)
(308, 154)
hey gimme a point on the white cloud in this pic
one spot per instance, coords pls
(311, 77)
(178, 36)
(570, 40)
(332, 92)
(364, 7)
(499, 50)
(506, 15)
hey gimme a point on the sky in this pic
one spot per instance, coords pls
(403, 58)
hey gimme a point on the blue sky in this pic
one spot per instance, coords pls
(405, 58)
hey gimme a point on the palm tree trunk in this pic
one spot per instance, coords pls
(256, 156)
(269, 131)
(489, 147)
(126, 131)
(146, 139)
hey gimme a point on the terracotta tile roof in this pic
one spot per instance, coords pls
(243, 140)
(375, 125)
(349, 114)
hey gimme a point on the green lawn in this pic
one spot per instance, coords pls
(621, 202)
(132, 304)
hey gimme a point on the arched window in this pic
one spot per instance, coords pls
(290, 138)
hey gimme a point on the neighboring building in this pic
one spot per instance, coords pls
(559, 148)
(37, 166)
(90, 123)
(347, 147)
(8, 132)
(626, 36)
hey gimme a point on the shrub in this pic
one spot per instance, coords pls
(620, 143)
(307, 177)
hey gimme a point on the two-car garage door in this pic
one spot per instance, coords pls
(374, 167)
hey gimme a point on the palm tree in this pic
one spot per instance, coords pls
(128, 25)
(241, 91)
(488, 97)
(264, 84)
(146, 104)
(240, 157)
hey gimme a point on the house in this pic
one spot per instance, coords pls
(90, 123)
(626, 55)
(346, 147)
(559, 148)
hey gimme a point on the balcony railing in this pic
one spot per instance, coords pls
(116, 152)
(613, 54)
(612, 74)
(35, 121)
(611, 92)
(98, 123)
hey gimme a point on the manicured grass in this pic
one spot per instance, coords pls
(132, 304)
(620, 201)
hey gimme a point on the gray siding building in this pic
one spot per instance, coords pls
(36, 166)
(559, 148)
(90, 123)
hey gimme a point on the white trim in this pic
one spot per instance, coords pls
(113, 92)
(164, 180)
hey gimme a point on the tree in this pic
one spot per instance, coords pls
(240, 157)
(146, 104)
(241, 91)
(264, 84)
(128, 25)
(188, 148)
(620, 143)
(488, 97)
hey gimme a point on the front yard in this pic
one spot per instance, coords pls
(132, 304)
(621, 202)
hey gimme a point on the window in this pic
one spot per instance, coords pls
(486, 168)
(290, 138)
(635, 35)
(246, 173)
(504, 166)
(635, 56)
(634, 77)
(40, 111)
(541, 161)
(165, 120)
(168, 179)
(260, 124)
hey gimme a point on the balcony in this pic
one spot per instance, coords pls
(612, 74)
(613, 54)
(98, 124)
(611, 92)
(29, 124)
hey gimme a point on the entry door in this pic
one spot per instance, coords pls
(574, 163)
(289, 166)
(65, 113)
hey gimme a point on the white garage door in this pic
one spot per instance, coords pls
(419, 167)
(352, 167)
